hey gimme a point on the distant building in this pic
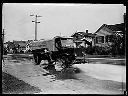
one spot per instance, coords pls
(83, 39)
(104, 35)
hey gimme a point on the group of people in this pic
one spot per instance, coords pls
(14, 50)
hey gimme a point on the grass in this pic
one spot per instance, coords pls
(11, 85)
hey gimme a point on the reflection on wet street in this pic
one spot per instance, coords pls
(68, 73)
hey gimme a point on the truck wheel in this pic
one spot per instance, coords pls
(37, 60)
(67, 62)
(61, 63)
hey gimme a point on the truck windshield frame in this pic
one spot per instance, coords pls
(67, 42)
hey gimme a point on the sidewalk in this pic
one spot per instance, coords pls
(107, 60)
(100, 58)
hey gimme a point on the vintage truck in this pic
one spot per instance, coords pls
(59, 49)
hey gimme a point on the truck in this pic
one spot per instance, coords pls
(59, 49)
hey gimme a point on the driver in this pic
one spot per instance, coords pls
(48, 53)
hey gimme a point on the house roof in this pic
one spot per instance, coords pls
(114, 28)
(63, 37)
(117, 27)
(84, 34)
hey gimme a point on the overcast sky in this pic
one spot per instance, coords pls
(57, 18)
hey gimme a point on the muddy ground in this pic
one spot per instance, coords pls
(21, 76)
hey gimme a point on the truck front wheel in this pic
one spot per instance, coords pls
(63, 62)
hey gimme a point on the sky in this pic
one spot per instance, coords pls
(57, 19)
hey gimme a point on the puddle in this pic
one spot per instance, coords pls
(69, 73)
(46, 74)
(16, 61)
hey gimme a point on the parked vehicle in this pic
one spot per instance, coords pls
(59, 49)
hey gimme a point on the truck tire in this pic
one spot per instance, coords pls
(60, 63)
(64, 62)
(37, 60)
(67, 62)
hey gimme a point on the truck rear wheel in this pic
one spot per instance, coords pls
(37, 60)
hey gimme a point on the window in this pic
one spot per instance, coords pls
(109, 38)
(100, 39)
(96, 40)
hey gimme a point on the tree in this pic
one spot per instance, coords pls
(118, 46)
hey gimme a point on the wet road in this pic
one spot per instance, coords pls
(81, 79)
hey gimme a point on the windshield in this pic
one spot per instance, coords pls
(67, 42)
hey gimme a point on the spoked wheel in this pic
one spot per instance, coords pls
(63, 64)
(60, 63)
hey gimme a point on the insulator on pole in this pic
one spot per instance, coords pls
(31, 15)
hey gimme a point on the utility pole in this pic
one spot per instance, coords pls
(2, 50)
(3, 36)
(36, 25)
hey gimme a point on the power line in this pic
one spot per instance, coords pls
(36, 25)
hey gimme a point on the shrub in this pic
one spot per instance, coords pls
(89, 50)
(97, 50)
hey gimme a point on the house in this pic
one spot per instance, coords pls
(83, 39)
(104, 35)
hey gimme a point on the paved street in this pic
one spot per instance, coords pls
(88, 78)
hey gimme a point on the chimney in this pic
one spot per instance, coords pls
(86, 31)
